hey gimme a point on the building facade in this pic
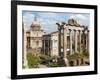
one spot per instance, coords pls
(74, 38)
(35, 38)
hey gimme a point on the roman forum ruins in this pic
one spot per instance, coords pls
(67, 40)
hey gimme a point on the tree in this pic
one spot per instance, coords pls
(32, 60)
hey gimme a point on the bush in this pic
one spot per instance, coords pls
(78, 56)
(44, 59)
(32, 60)
(86, 54)
(75, 56)
(53, 65)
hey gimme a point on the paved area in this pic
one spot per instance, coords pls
(42, 66)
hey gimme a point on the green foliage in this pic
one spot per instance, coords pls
(48, 60)
(86, 54)
(44, 59)
(78, 55)
(32, 60)
(53, 65)
(74, 56)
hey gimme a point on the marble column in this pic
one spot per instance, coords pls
(80, 33)
(44, 45)
(87, 41)
(70, 41)
(65, 42)
(76, 41)
(86, 37)
(25, 50)
(66, 62)
(48, 47)
(59, 43)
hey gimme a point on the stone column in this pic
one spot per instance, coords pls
(66, 63)
(87, 41)
(70, 41)
(25, 50)
(51, 47)
(44, 46)
(80, 32)
(76, 41)
(86, 34)
(62, 56)
(48, 47)
(65, 42)
(59, 43)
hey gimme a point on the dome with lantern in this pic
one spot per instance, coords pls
(35, 24)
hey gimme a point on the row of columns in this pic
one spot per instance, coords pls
(77, 33)
(47, 49)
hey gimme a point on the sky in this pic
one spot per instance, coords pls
(48, 20)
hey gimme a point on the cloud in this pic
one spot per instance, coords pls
(48, 20)
(80, 16)
(72, 16)
(48, 25)
(82, 19)
(47, 15)
(27, 19)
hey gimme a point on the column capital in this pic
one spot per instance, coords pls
(75, 30)
(59, 28)
(70, 30)
(88, 30)
(80, 31)
(83, 30)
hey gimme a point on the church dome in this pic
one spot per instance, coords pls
(35, 25)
